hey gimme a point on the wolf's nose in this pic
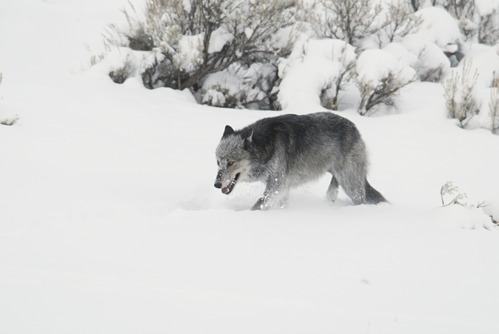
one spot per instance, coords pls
(218, 184)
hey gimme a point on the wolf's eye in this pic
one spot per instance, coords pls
(230, 163)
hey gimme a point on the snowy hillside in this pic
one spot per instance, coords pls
(109, 221)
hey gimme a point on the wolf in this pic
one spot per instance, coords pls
(289, 150)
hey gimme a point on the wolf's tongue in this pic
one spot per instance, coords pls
(225, 190)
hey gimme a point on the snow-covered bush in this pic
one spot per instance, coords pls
(276, 54)
(239, 86)
(379, 77)
(123, 72)
(398, 22)
(478, 19)
(487, 25)
(428, 47)
(348, 20)
(450, 195)
(429, 61)
(439, 27)
(360, 22)
(471, 90)
(330, 93)
(459, 99)
(179, 44)
(494, 103)
(315, 73)
(457, 8)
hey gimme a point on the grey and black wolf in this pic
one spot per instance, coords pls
(289, 150)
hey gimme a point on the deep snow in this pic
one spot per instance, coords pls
(109, 221)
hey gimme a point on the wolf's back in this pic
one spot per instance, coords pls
(305, 130)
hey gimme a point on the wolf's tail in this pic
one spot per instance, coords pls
(373, 196)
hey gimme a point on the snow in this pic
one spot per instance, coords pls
(375, 65)
(429, 56)
(401, 53)
(219, 38)
(439, 27)
(486, 7)
(312, 66)
(485, 64)
(109, 222)
(220, 80)
(190, 53)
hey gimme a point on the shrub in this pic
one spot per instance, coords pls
(478, 20)
(331, 92)
(398, 22)
(123, 72)
(348, 20)
(242, 87)
(380, 76)
(494, 103)
(450, 195)
(415, 4)
(344, 59)
(189, 40)
(315, 73)
(488, 28)
(459, 99)
(432, 64)
(356, 20)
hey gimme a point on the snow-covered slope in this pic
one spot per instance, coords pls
(109, 221)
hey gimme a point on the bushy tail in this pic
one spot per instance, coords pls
(373, 196)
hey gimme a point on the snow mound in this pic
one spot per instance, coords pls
(375, 65)
(486, 7)
(190, 53)
(425, 57)
(219, 38)
(439, 27)
(312, 66)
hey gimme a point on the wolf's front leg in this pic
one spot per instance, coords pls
(275, 195)
(259, 205)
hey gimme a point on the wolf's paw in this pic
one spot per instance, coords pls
(260, 205)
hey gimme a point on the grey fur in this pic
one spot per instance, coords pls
(289, 150)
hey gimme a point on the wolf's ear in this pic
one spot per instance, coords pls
(248, 141)
(228, 131)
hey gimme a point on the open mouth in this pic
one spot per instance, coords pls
(227, 190)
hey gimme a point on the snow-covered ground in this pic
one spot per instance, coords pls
(109, 221)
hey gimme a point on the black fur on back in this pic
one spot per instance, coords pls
(298, 133)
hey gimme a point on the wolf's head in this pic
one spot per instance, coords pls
(232, 159)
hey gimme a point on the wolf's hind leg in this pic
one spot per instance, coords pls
(332, 190)
(354, 186)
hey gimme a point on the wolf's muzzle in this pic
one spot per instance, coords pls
(218, 180)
